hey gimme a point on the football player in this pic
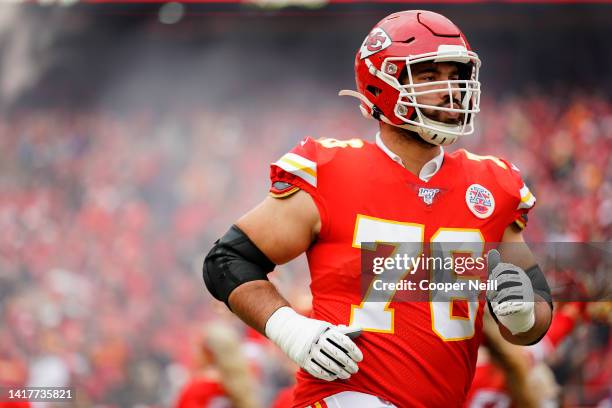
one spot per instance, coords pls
(417, 76)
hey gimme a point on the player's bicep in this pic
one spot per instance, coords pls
(282, 228)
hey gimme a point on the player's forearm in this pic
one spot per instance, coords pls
(543, 317)
(254, 302)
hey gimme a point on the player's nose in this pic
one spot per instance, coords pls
(449, 95)
(450, 100)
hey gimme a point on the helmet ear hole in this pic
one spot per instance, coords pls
(373, 90)
(403, 77)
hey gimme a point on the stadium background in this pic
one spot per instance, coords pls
(133, 135)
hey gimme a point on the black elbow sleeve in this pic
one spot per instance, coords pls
(233, 261)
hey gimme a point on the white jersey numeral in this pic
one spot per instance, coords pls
(376, 315)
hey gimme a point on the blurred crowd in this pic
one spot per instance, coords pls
(106, 216)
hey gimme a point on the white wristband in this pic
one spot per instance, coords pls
(294, 333)
(520, 322)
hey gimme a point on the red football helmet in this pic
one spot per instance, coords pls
(395, 44)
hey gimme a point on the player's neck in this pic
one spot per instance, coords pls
(413, 151)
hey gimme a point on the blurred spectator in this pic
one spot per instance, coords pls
(222, 378)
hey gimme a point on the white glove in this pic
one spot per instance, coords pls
(318, 347)
(512, 302)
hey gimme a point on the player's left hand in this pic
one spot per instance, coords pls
(512, 301)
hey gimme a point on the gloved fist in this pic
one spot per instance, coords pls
(513, 300)
(319, 347)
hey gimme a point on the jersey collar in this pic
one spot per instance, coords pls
(427, 171)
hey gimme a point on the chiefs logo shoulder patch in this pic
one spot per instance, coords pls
(376, 41)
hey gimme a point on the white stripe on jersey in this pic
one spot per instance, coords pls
(299, 166)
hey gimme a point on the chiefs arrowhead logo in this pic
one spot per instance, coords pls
(376, 41)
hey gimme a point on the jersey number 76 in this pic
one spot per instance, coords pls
(376, 315)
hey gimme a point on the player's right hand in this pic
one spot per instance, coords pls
(319, 347)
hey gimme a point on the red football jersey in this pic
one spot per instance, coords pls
(416, 353)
